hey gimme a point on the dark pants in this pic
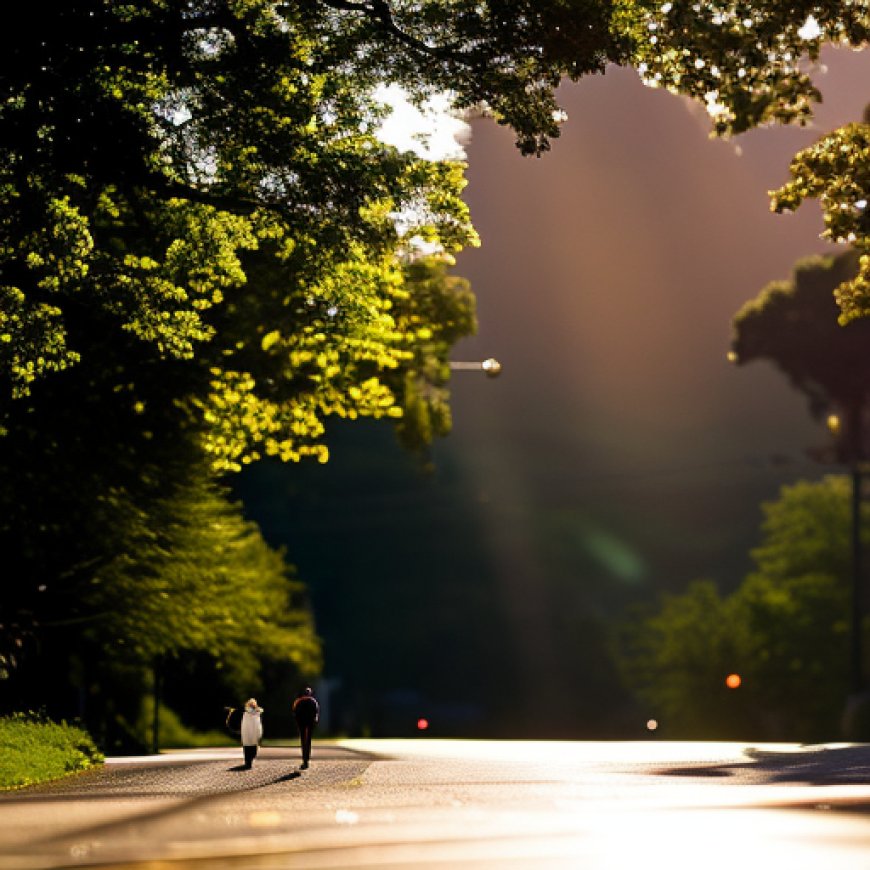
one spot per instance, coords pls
(250, 754)
(306, 729)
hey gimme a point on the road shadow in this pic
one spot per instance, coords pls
(294, 774)
(809, 765)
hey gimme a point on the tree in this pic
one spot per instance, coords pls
(192, 575)
(784, 631)
(836, 171)
(794, 325)
(265, 252)
(188, 579)
(676, 658)
(206, 249)
(792, 612)
(205, 178)
(440, 309)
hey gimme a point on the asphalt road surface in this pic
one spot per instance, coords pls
(455, 804)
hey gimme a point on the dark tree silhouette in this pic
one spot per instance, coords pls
(795, 325)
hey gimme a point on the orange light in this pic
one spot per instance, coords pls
(733, 681)
(422, 724)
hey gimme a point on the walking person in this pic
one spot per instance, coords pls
(252, 731)
(306, 711)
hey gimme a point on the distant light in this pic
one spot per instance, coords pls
(732, 356)
(733, 681)
(833, 423)
(422, 724)
(651, 725)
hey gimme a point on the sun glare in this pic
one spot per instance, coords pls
(434, 133)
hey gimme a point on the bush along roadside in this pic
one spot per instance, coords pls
(34, 749)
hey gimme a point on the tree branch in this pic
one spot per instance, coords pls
(380, 11)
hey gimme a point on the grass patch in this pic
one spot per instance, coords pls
(34, 749)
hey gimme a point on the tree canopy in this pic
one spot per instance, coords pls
(207, 251)
(205, 177)
(784, 631)
(796, 326)
(836, 171)
(204, 180)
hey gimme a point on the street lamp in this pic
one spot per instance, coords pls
(490, 367)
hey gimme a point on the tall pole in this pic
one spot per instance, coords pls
(155, 724)
(857, 584)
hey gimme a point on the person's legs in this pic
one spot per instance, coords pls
(305, 734)
(250, 752)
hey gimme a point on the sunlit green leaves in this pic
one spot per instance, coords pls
(191, 575)
(249, 221)
(745, 61)
(836, 171)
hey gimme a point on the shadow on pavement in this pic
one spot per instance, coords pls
(810, 765)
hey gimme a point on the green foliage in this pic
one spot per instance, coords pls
(192, 575)
(746, 61)
(265, 251)
(34, 749)
(794, 608)
(206, 177)
(168, 165)
(207, 252)
(795, 325)
(784, 630)
(751, 64)
(436, 311)
(676, 660)
(836, 171)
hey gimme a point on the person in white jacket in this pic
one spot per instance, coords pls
(252, 731)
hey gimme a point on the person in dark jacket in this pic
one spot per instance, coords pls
(306, 711)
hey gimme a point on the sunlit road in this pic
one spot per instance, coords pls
(440, 804)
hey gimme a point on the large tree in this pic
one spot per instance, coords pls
(784, 631)
(204, 176)
(206, 248)
(795, 326)
(836, 171)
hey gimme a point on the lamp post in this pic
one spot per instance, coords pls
(850, 451)
(490, 367)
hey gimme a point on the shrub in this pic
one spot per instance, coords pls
(34, 749)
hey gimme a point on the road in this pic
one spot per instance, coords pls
(440, 804)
